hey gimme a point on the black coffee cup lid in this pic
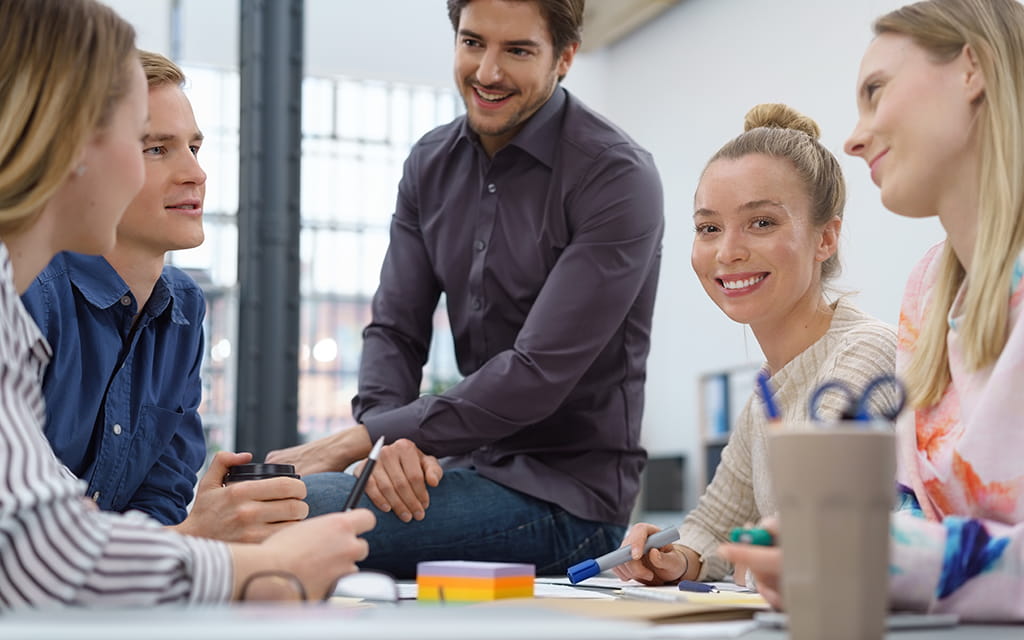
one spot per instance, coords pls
(260, 470)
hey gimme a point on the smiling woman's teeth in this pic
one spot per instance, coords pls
(742, 284)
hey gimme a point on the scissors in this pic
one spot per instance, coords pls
(859, 407)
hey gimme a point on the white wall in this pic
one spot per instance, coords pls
(680, 86)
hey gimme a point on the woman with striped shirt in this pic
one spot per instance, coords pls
(73, 108)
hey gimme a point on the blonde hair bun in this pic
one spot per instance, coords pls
(780, 116)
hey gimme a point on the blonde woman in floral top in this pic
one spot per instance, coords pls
(958, 538)
(940, 95)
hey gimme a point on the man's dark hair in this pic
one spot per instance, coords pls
(564, 18)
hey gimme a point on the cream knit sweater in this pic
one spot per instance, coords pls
(855, 349)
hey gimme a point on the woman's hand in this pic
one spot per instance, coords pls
(764, 563)
(657, 566)
(316, 552)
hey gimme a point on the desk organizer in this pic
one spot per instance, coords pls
(465, 581)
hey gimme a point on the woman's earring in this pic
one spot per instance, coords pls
(80, 170)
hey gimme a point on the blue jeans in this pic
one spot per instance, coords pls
(471, 518)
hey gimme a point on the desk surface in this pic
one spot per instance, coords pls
(409, 620)
(258, 622)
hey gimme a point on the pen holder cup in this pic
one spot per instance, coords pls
(259, 471)
(835, 489)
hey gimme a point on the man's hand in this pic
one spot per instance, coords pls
(248, 511)
(332, 453)
(400, 479)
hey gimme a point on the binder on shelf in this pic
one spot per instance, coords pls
(741, 387)
(723, 393)
(716, 405)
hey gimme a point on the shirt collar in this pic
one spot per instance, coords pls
(26, 331)
(103, 287)
(539, 137)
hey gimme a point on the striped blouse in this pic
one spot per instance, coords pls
(56, 549)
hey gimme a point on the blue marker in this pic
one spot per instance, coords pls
(590, 568)
(766, 396)
(697, 587)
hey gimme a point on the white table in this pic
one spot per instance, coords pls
(407, 621)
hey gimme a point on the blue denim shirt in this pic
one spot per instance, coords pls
(134, 433)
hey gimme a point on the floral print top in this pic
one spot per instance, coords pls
(958, 539)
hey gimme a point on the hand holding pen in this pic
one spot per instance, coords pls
(360, 486)
(401, 480)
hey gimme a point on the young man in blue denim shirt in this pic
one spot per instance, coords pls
(123, 388)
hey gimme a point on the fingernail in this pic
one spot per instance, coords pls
(385, 508)
(419, 515)
(405, 516)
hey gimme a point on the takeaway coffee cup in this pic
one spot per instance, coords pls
(259, 471)
(834, 487)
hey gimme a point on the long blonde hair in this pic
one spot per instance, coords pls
(994, 29)
(780, 131)
(64, 64)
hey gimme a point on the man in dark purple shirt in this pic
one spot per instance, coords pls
(541, 222)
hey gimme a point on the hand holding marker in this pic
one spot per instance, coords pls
(590, 568)
(752, 535)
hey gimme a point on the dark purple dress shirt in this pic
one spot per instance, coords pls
(548, 254)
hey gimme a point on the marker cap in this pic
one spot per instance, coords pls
(583, 570)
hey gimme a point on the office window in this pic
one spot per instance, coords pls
(355, 136)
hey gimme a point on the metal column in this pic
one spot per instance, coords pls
(268, 224)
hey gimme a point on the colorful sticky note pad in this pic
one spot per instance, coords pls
(467, 581)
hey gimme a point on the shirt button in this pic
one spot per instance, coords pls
(96, 497)
(117, 429)
(126, 300)
(479, 245)
(477, 304)
(491, 188)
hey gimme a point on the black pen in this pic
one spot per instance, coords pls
(364, 477)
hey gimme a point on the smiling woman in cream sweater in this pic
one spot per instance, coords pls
(767, 214)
